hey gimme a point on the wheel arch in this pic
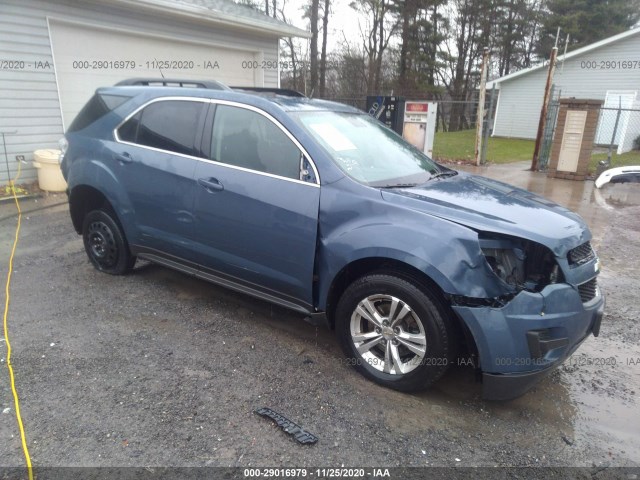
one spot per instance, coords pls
(370, 265)
(82, 200)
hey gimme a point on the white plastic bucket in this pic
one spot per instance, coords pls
(50, 178)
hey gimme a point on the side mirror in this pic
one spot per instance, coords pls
(306, 173)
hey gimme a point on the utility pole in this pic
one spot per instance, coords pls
(545, 104)
(487, 127)
(481, 97)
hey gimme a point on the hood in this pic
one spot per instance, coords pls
(491, 206)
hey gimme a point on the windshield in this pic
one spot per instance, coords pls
(368, 151)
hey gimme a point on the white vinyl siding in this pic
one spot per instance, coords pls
(29, 99)
(521, 97)
(519, 108)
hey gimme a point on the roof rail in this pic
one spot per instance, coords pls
(276, 91)
(170, 82)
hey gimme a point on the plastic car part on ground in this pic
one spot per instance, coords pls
(288, 426)
(619, 175)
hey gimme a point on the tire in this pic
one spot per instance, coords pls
(105, 243)
(394, 332)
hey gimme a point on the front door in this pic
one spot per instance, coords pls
(255, 219)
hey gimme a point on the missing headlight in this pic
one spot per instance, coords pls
(506, 264)
(521, 264)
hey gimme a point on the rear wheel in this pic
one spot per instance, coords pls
(105, 243)
(394, 333)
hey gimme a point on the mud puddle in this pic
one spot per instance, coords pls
(601, 379)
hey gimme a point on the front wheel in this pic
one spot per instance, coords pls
(394, 333)
(105, 243)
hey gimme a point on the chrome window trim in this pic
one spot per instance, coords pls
(201, 159)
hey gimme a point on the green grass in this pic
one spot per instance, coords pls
(629, 158)
(459, 146)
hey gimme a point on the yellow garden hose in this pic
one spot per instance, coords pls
(16, 401)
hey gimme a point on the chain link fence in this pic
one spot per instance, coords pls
(550, 124)
(617, 140)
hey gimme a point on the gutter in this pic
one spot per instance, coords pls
(208, 15)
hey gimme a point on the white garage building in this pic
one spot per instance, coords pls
(608, 70)
(53, 56)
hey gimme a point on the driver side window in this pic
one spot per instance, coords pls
(244, 138)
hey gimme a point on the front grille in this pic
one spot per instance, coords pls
(588, 290)
(581, 254)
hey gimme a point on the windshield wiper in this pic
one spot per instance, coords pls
(449, 173)
(398, 185)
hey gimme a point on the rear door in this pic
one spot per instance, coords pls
(255, 214)
(156, 160)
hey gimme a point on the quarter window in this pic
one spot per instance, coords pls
(168, 125)
(128, 132)
(244, 138)
(99, 105)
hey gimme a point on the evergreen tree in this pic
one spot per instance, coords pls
(585, 21)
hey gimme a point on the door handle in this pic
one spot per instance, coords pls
(124, 157)
(211, 184)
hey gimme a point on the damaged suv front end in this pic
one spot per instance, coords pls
(540, 298)
(550, 305)
(512, 271)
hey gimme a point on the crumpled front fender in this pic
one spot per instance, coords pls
(356, 225)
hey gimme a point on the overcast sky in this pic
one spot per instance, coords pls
(341, 19)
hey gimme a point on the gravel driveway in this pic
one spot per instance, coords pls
(159, 369)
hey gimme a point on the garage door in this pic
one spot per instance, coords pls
(87, 58)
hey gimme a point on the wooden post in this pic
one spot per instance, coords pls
(487, 127)
(480, 111)
(545, 106)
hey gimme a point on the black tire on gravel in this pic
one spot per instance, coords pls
(392, 338)
(105, 243)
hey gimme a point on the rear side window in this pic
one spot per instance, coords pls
(99, 105)
(167, 125)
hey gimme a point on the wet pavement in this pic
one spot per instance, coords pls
(157, 368)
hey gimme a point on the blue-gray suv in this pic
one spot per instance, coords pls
(318, 207)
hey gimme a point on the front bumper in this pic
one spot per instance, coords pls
(529, 337)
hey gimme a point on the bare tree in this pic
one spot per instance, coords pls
(323, 54)
(291, 52)
(381, 25)
(313, 54)
(350, 72)
(470, 22)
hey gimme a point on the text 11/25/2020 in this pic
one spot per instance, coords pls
(148, 64)
(316, 473)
